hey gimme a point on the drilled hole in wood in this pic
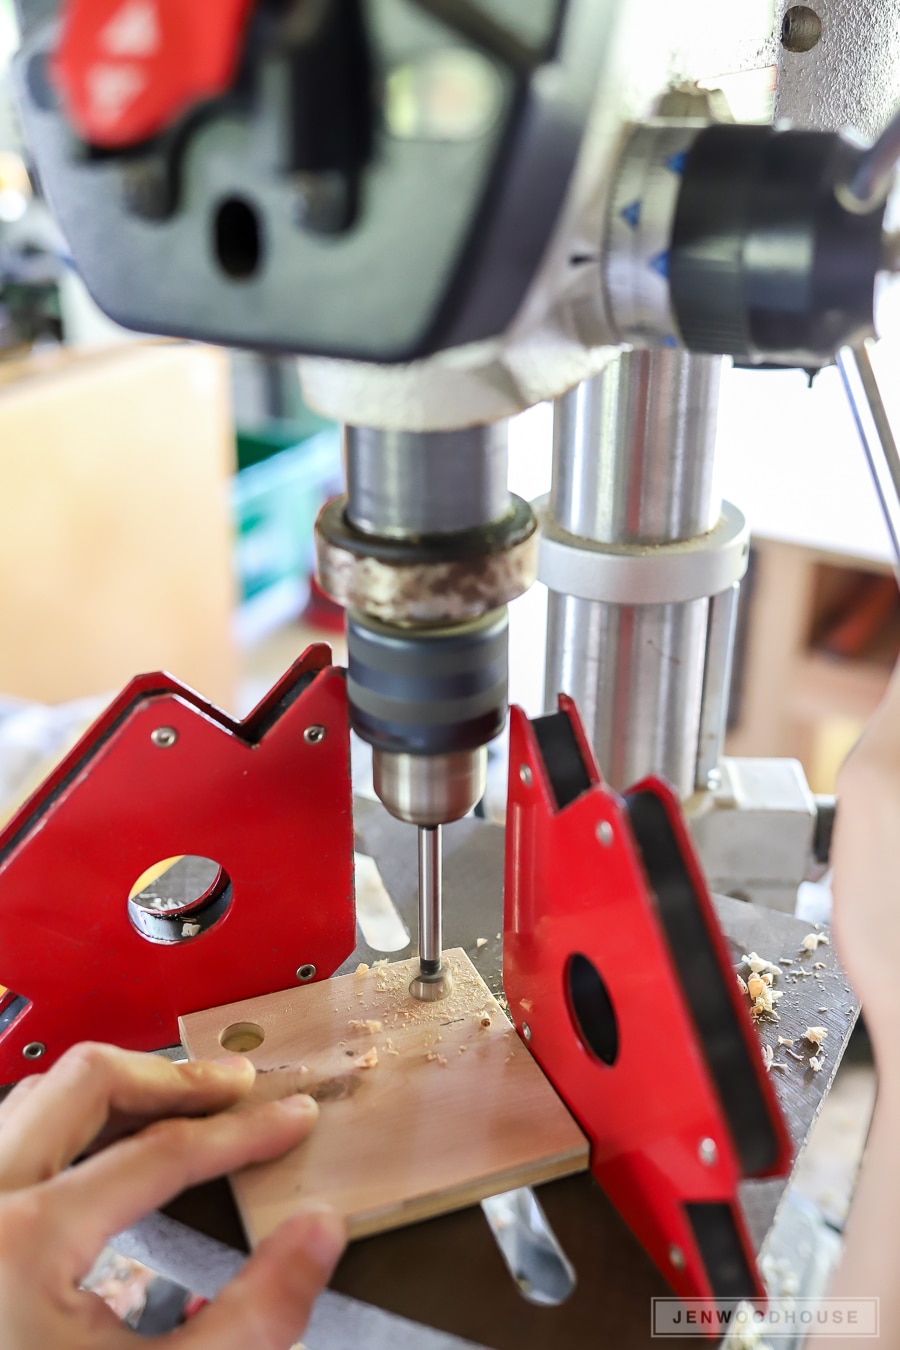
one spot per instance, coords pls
(242, 1037)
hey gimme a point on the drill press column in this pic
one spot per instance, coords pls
(633, 467)
(425, 551)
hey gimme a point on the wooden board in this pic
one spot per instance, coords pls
(454, 1110)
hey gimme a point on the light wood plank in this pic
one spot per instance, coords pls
(454, 1110)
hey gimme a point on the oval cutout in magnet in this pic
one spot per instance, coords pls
(591, 1009)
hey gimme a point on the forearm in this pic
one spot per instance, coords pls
(870, 1263)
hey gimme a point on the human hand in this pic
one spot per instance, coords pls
(866, 883)
(54, 1222)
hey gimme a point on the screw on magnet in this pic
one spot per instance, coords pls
(605, 833)
(34, 1050)
(313, 735)
(707, 1152)
(526, 1031)
(306, 973)
(525, 775)
(163, 737)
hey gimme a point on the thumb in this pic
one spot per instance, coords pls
(269, 1303)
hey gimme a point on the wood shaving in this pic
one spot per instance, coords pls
(821, 1009)
(758, 964)
(785, 960)
(815, 1035)
(777, 1064)
(190, 929)
(819, 965)
(768, 1055)
(498, 937)
(785, 1040)
(367, 1024)
(367, 1061)
(816, 1063)
(741, 982)
(793, 1054)
(434, 1058)
(362, 968)
(463, 1049)
(481, 942)
(812, 941)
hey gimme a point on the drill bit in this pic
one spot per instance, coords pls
(433, 980)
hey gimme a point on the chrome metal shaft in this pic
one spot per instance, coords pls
(633, 466)
(430, 899)
(433, 980)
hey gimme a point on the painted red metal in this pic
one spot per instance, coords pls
(128, 69)
(271, 806)
(572, 887)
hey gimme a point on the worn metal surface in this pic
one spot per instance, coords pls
(403, 483)
(448, 1273)
(414, 586)
(851, 77)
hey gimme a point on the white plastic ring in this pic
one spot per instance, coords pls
(651, 574)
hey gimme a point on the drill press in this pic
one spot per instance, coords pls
(425, 551)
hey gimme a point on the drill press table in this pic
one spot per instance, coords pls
(446, 1274)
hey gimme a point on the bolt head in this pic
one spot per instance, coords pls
(313, 735)
(605, 833)
(526, 1031)
(525, 775)
(707, 1152)
(163, 737)
(34, 1050)
(306, 973)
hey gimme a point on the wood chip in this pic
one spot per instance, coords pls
(815, 1035)
(816, 1063)
(812, 941)
(362, 968)
(785, 1040)
(793, 1054)
(367, 1061)
(481, 942)
(368, 1024)
(758, 964)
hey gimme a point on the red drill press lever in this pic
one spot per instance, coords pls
(128, 69)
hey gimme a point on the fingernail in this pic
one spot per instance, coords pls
(325, 1236)
(236, 1064)
(212, 1070)
(300, 1105)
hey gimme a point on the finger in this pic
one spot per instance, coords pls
(13, 1098)
(268, 1305)
(100, 1197)
(56, 1121)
